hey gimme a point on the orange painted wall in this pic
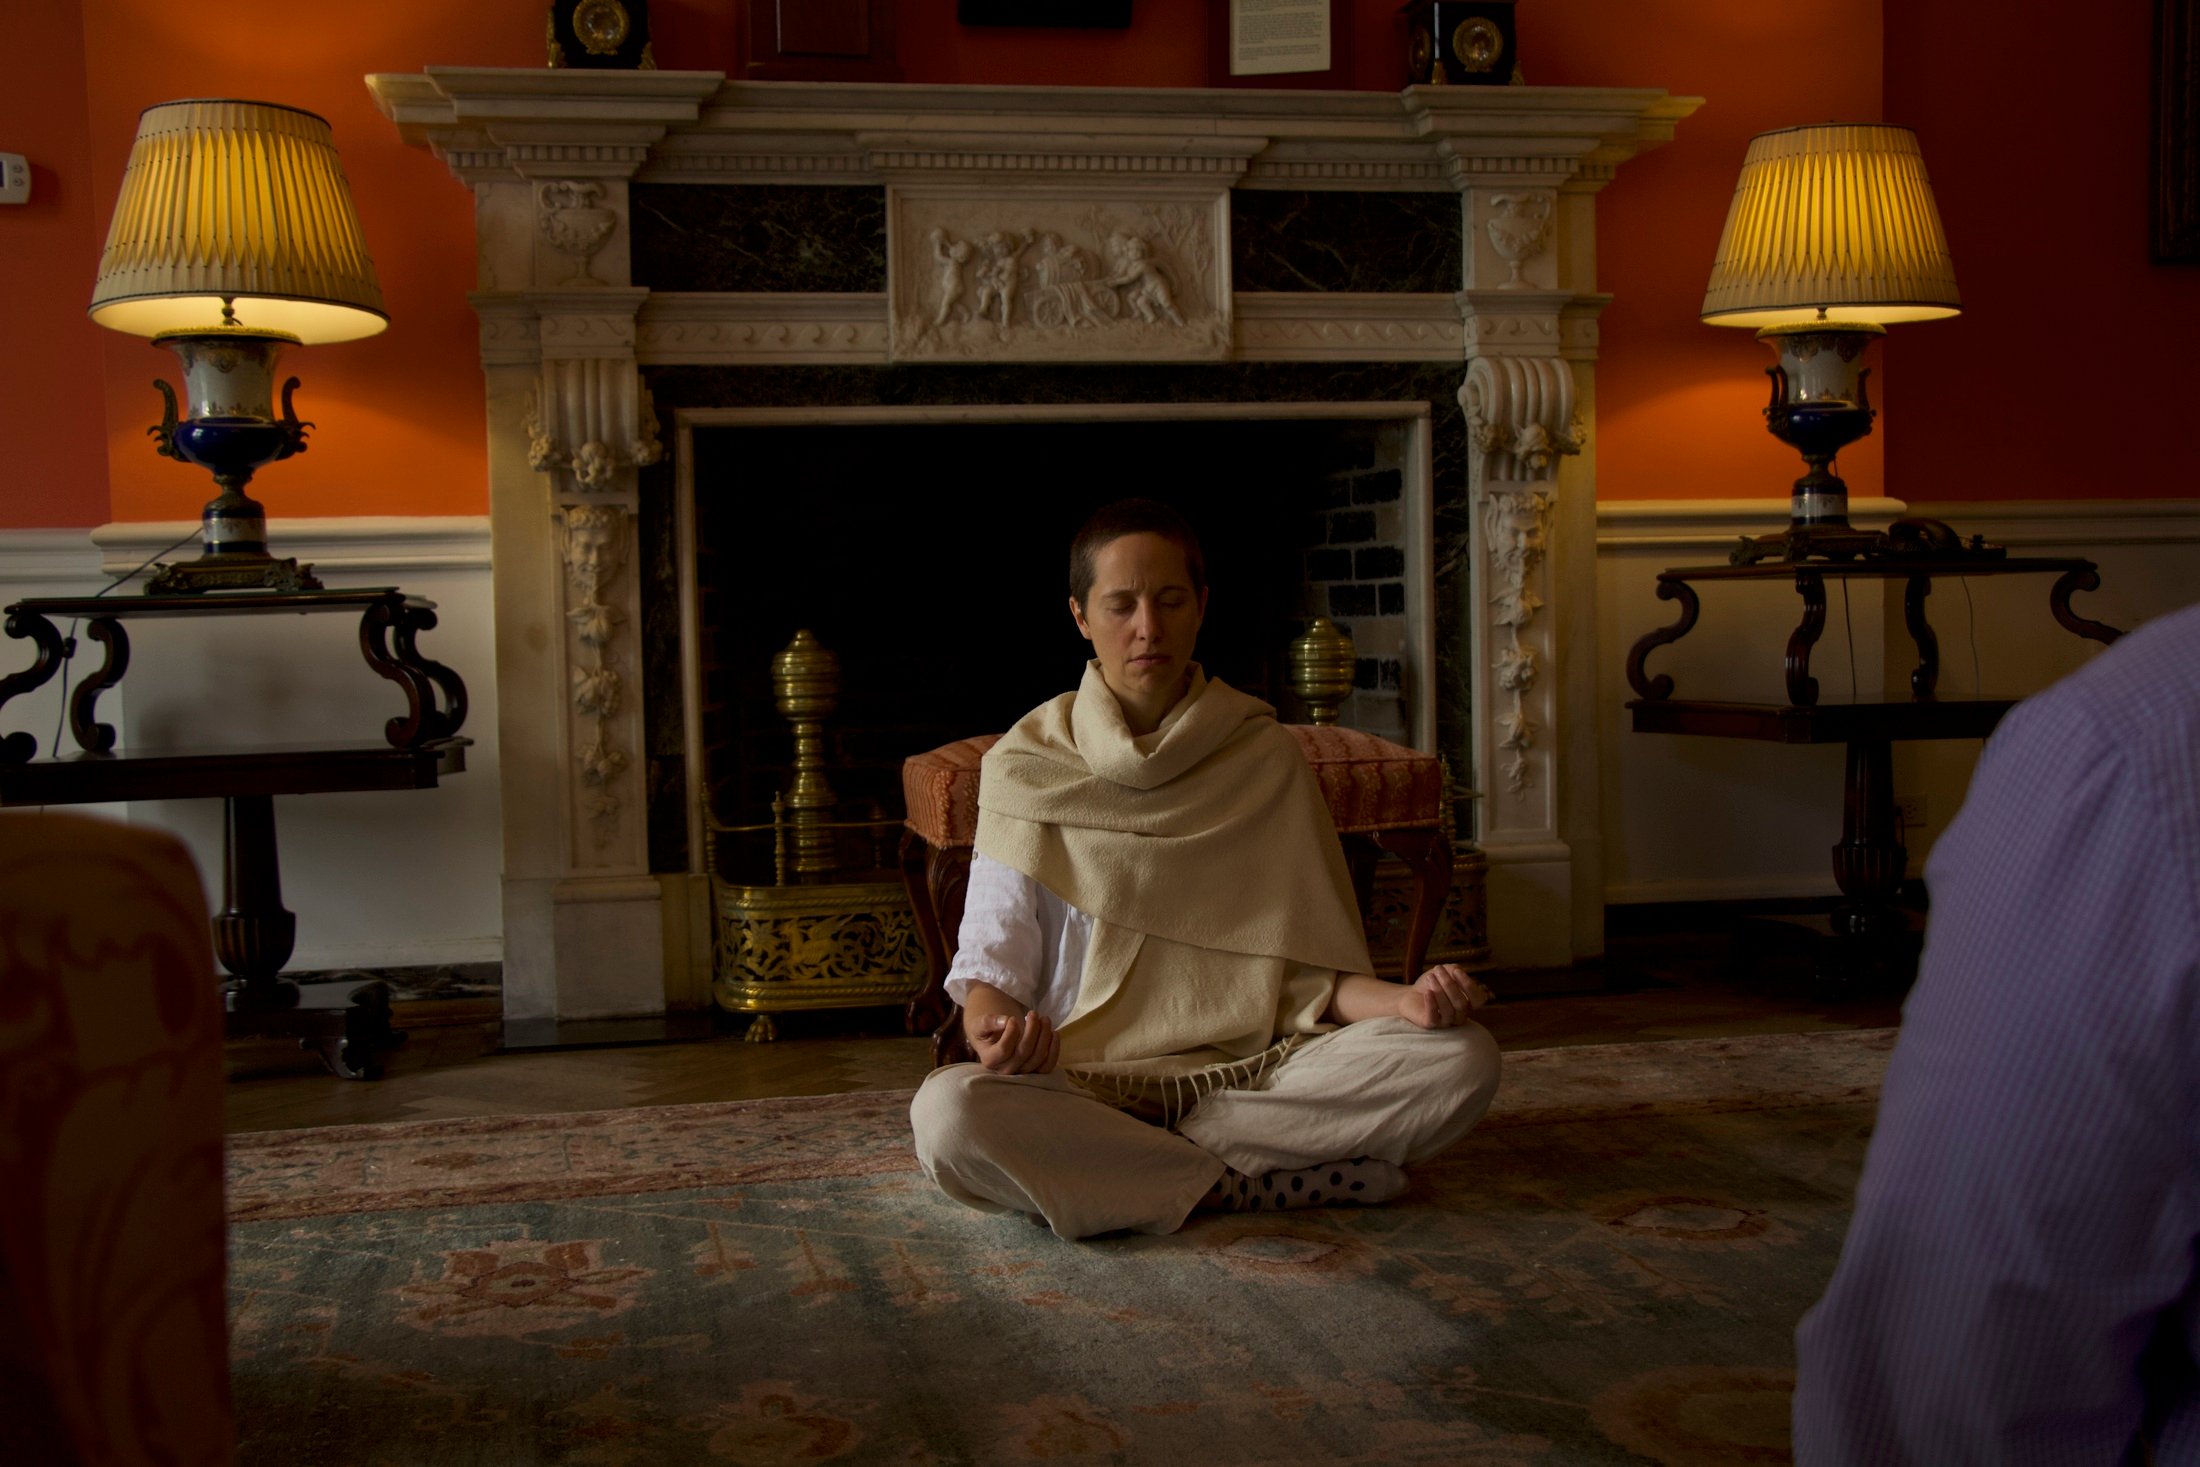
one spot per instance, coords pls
(400, 415)
(2036, 138)
(1679, 403)
(56, 473)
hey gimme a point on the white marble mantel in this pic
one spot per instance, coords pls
(550, 156)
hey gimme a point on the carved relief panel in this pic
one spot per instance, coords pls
(594, 543)
(1044, 278)
(580, 233)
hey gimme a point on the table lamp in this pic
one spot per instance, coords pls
(1832, 237)
(234, 238)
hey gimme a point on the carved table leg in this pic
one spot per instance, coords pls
(92, 736)
(1660, 687)
(421, 721)
(347, 1024)
(1926, 676)
(1802, 688)
(452, 716)
(2058, 601)
(1869, 862)
(19, 747)
(253, 934)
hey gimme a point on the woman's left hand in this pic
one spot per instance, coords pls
(1442, 998)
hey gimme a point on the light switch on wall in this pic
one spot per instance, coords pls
(15, 179)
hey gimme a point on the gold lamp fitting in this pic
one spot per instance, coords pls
(1321, 669)
(806, 689)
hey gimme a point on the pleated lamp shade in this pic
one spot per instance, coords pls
(1837, 217)
(244, 200)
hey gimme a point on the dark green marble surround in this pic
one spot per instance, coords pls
(697, 387)
(797, 237)
(1302, 240)
(759, 237)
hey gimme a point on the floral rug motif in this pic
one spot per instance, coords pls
(1609, 1270)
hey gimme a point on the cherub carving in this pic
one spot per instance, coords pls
(952, 255)
(997, 273)
(1145, 289)
(593, 465)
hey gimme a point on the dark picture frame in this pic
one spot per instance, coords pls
(1112, 15)
(822, 40)
(2175, 215)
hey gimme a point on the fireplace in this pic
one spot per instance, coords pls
(741, 339)
(926, 548)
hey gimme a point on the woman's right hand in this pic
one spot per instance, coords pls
(1024, 1044)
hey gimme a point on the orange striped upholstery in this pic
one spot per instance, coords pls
(1370, 783)
(940, 791)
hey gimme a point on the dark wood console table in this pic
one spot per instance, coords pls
(1870, 860)
(348, 1024)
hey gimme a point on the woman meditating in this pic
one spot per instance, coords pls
(1162, 970)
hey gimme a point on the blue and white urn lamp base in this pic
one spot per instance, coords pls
(230, 429)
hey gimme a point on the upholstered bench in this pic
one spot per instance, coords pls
(1381, 796)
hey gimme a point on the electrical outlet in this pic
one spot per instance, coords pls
(15, 179)
(1913, 811)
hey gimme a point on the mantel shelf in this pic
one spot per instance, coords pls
(677, 124)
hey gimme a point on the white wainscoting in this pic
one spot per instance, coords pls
(376, 879)
(412, 878)
(1703, 819)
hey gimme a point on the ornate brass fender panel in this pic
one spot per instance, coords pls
(779, 948)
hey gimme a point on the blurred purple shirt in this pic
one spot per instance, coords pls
(2018, 1283)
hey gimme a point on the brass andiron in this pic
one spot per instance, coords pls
(821, 935)
(806, 682)
(1321, 669)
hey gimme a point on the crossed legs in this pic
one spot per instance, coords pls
(1383, 1088)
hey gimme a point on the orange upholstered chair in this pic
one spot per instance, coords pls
(1381, 796)
(114, 1340)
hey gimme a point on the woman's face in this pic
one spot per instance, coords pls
(1142, 617)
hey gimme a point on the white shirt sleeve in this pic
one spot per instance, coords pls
(1020, 938)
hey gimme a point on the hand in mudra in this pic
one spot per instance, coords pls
(1023, 1045)
(1442, 998)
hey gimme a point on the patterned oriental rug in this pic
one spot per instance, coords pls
(1608, 1270)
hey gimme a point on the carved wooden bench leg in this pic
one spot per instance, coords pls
(946, 886)
(1427, 853)
(926, 1009)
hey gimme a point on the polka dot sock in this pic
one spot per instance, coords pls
(1333, 1183)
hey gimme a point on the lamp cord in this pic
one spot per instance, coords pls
(1849, 626)
(68, 638)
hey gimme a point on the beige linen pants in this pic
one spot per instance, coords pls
(1038, 1143)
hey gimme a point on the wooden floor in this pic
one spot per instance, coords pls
(1659, 984)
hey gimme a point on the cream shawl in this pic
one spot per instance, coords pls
(1204, 853)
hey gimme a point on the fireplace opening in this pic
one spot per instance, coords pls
(930, 557)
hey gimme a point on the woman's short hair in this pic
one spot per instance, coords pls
(1112, 522)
